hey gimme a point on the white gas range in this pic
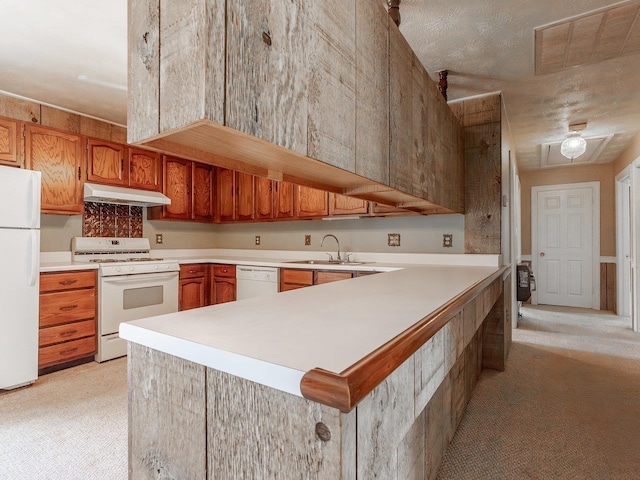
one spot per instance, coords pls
(132, 285)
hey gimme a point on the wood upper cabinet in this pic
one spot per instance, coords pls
(344, 205)
(203, 197)
(224, 284)
(58, 156)
(177, 186)
(10, 151)
(283, 200)
(244, 193)
(225, 197)
(380, 209)
(310, 202)
(107, 163)
(194, 286)
(145, 170)
(264, 198)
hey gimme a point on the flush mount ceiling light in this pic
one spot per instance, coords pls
(574, 145)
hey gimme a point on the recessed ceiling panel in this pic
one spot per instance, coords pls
(590, 38)
(551, 156)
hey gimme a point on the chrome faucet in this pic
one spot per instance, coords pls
(339, 259)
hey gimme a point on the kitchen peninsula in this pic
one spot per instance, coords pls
(365, 378)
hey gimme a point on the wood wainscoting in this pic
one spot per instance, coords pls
(608, 291)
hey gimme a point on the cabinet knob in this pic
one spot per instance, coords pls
(542, 254)
(67, 282)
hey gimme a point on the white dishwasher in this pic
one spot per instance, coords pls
(256, 281)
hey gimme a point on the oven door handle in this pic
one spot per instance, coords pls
(141, 277)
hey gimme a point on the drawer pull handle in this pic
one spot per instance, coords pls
(68, 351)
(68, 308)
(193, 271)
(68, 282)
(68, 333)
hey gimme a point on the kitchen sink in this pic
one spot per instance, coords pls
(327, 262)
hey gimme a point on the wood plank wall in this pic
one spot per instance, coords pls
(608, 292)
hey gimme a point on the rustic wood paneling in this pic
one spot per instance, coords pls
(255, 431)
(454, 340)
(191, 64)
(435, 439)
(412, 451)
(19, 109)
(608, 292)
(54, 118)
(429, 370)
(143, 101)
(332, 83)
(267, 69)
(384, 418)
(494, 342)
(372, 91)
(483, 189)
(167, 416)
(400, 110)
(419, 127)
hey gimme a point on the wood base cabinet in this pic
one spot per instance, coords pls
(193, 286)
(224, 284)
(67, 317)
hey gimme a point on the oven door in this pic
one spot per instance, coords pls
(130, 297)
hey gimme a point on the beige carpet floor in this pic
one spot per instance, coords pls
(566, 407)
(69, 425)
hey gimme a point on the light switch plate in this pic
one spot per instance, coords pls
(393, 239)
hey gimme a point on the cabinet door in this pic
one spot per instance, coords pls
(107, 163)
(310, 202)
(322, 277)
(264, 198)
(192, 293)
(225, 209)
(145, 170)
(58, 156)
(224, 290)
(203, 199)
(9, 151)
(283, 200)
(343, 205)
(177, 186)
(244, 196)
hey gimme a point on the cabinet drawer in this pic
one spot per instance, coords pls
(298, 277)
(285, 287)
(52, 282)
(328, 277)
(193, 270)
(64, 333)
(64, 307)
(64, 352)
(224, 271)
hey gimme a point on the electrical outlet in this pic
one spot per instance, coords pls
(257, 239)
(158, 238)
(307, 240)
(447, 240)
(393, 239)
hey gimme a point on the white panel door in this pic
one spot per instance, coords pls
(565, 247)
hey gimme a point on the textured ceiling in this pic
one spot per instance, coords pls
(73, 54)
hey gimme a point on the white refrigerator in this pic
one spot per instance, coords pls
(19, 276)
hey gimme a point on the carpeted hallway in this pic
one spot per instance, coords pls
(567, 406)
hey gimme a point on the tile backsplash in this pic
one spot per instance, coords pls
(110, 220)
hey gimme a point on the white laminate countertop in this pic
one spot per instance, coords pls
(275, 340)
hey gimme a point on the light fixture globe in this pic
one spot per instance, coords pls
(573, 146)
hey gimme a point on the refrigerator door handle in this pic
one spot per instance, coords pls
(34, 195)
(35, 252)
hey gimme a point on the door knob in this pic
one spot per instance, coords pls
(542, 254)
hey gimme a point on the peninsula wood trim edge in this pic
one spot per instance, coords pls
(346, 389)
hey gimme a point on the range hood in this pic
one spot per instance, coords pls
(123, 196)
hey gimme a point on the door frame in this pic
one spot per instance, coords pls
(623, 182)
(595, 186)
